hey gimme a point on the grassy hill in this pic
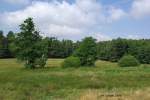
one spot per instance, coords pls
(106, 81)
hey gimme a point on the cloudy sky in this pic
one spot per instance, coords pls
(75, 19)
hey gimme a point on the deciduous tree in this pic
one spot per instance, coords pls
(87, 51)
(30, 47)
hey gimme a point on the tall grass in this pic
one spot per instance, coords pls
(54, 82)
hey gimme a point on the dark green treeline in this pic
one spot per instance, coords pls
(107, 50)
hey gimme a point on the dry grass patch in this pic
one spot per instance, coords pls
(130, 95)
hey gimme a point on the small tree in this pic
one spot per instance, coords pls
(128, 60)
(30, 47)
(87, 51)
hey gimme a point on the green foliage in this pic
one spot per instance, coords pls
(1, 39)
(10, 36)
(30, 47)
(71, 62)
(115, 49)
(4, 51)
(144, 54)
(11, 43)
(87, 51)
(56, 48)
(119, 48)
(104, 50)
(112, 50)
(59, 49)
(128, 61)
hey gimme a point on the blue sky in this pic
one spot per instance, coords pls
(76, 19)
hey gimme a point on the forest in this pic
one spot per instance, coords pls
(111, 50)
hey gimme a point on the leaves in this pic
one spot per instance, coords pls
(31, 48)
(87, 51)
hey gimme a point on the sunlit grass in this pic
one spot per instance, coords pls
(54, 82)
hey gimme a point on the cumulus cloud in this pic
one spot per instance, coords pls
(62, 19)
(115, 13)
(140, 8)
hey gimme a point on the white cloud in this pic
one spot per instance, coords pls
(140, 8)
(101, 37)
(63, 19)
(116, 13)
(58, 30)
(133, 36)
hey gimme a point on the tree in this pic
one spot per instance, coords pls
(115, 49)
(104, 50)
(10, 36)
(67, 47)
(128, 61)
(30, 47)
(144, 54)
(54, 48)
(4, 52)
(59, 49)
(119, 48)
(1, 39)
(11, 44)
(87, 51)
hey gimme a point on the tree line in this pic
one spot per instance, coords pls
(115, 49)
(105, 50)
(56, 48)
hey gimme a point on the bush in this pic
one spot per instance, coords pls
(128, 61)
(71, 62)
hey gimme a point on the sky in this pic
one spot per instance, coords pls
(76, 19)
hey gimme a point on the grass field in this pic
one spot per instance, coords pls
(106, 81)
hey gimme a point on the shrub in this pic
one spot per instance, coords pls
(128, 61)
(71, 62)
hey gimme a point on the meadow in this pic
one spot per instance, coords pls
(105, 81)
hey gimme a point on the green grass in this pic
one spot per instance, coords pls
(54, 82)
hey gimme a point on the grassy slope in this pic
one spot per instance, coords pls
(106, 80)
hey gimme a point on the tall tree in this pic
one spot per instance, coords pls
(119, 48)
(10, 36)
(30, 47)
(11, 43)
(87, 51)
